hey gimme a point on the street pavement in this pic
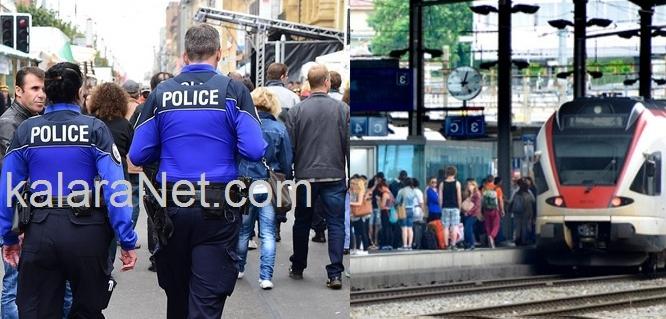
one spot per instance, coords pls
(138, 295)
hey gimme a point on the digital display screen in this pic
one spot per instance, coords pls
(380, 90)
(594, 121)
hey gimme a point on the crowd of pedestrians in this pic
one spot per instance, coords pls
(448, 213)
(287, 122)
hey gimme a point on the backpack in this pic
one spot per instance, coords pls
(518, 204)
(438, 229)
(429, 240)
(490, 201)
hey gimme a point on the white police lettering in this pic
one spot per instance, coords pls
(189, 98)
(60, 133)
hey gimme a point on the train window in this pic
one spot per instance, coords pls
(648, 179)
(590, 159)
(539, 179)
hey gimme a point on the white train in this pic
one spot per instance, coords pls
(600, 179)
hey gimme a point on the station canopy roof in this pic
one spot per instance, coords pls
(654, 2)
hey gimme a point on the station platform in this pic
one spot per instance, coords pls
(139, 296)
(423, 267)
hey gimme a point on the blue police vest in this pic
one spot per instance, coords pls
(58, 148)
(193, 128)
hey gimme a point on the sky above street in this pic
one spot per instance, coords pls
(130, 28)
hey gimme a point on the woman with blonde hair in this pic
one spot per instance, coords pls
(279, 158)
(361, 209)
(471, 207)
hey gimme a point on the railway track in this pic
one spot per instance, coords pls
(474, 287)
(567, 306)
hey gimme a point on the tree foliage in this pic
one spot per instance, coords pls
(442, 25)
(100, 61)
(42, 17)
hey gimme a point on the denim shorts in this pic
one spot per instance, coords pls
(409, 219)
(450, 217)
(375, 218)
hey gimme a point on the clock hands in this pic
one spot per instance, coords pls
(464, 81)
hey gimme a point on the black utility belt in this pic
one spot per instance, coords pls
(61, 202)
(214, 198)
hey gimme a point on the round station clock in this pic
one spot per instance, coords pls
(464, 83)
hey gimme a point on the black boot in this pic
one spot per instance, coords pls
(319, 237)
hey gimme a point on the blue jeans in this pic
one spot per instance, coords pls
(469, 230)
(266, 217)
(136, 209)
(9, 282)
(332, 196)
(347, 221)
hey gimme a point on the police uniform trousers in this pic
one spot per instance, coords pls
(198, 267)
(57, 247)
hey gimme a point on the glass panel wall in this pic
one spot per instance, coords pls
(391, 159)
(471, 159)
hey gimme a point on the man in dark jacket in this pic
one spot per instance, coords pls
(319, 130)
(29, 101)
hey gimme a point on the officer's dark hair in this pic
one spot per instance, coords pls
(201, 41)
(336, 80)
(21, 74)
(62, 82)
(158, 78)
(276, 71)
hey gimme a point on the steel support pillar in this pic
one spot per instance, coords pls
(645, 74)
(504, 94)
(416, 66)
(580, 72)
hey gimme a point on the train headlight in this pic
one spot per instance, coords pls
(616, 201)
(620, 201)
(556, 201)
(587, 230)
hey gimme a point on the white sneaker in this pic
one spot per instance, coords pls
(241, 274)
(265, 284)
(252, 244)
(362, 253)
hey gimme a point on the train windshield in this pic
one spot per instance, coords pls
(590, 158)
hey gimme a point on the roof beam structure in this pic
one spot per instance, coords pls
(252, 21)
(261, 27)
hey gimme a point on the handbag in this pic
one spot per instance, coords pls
(393, 216)
(467, 204)
(402, 213)
(281, 198)
(364, 209)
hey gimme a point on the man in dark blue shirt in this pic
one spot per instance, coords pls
(62, 153)
(198, 123)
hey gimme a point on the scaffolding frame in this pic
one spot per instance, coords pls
(259, 28)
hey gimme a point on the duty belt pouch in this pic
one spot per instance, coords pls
(22, 216)
(214, 197)
(86, 209)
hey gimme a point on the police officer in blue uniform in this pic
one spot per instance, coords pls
(61, 154)
(198, 122)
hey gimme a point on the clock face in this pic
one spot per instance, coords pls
(464, 83)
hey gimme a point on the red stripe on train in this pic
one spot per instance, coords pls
(596, 197)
